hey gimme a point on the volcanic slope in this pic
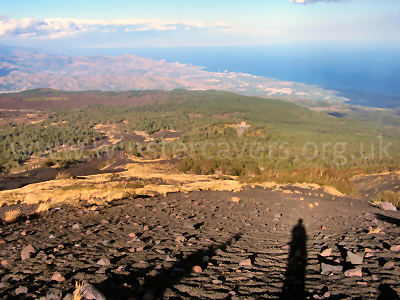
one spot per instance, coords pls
(254, 244)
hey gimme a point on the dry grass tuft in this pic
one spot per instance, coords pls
(12, 215)
(374, 230)
(63, 175)
(77, 296)
(333, 191)
(78, 285)
(43, 207)
(77, 293)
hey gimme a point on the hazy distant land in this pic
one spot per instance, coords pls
(21, 70)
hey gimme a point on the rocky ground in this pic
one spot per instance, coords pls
(254, 244)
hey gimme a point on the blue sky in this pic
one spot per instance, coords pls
(175, 23)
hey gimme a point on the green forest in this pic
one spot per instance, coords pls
(281, 136)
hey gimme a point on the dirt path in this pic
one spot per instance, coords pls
(254, 247)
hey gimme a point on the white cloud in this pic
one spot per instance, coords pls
(253, 31)
(314, 1)
(221, 24)
(198, 24)
(151, 28)
(49, 28)
(57, 27)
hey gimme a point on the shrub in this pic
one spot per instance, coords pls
(389, 196)
(48, 163)
(12, 215)
(65, 163)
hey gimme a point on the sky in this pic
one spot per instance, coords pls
(73, 24)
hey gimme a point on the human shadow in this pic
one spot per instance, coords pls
(137, 284)
(294, 280)
(388, 219)
(387, 293)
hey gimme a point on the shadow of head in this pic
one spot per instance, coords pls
(299, 233)
(386, 292)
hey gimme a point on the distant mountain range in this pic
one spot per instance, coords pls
(22, 69)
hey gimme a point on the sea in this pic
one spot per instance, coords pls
(367, 67)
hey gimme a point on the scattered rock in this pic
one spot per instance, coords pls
(387, 206)
(21, 290)
(389, 265)
(138, 249)
(324, 296)
(228, 267)
(327, 268)
(27, 252)
(88, 291)
(104, 262)
(276, 217)
(188, 225)
(197, 269)
(362, 283)
(54, 294)
(395, 248)
(169, 259)
(216, 281)
(355, 259)
(353, 272)
(180, 239)
(246, 263)
(326, 252)
(57, 277)
(77, 226)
